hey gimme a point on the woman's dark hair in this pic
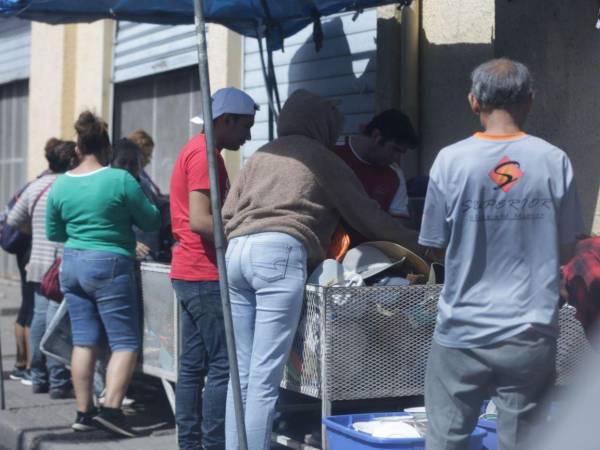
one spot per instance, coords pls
(92, 134)
(61, 155)
(126, 155)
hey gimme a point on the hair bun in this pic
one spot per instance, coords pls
(92, 133)
(88, 124)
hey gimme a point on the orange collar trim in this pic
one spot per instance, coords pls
(500, 137)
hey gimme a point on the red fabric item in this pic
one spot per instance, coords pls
(194, 258)
(381, 183)
(581, 279)
(50, 286)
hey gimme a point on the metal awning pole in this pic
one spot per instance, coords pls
(219, 235)
(2, 392)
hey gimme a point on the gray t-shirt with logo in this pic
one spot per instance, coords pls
(502, 207)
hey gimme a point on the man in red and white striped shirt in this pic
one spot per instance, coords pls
(375, 157)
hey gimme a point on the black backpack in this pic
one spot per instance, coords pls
(12, 240)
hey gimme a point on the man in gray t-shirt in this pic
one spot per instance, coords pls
(503, 204)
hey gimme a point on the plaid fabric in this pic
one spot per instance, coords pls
(581, 279)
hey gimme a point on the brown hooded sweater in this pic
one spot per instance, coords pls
(298, 186)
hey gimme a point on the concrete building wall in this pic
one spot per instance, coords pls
(71, 70)
(559, 43)
(456, 35)
(225, 70)
(93, 69)
(48, 90)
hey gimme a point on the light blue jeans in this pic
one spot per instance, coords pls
(267, 273)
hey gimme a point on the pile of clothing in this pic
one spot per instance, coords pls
(377, 263)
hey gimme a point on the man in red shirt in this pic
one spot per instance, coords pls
(201, 417)
(375, 157)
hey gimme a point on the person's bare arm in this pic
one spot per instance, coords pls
(201, 221)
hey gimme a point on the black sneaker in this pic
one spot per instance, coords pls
(113, 420)
(27, 380)
(17, 373)
(39, 388)
(56, 394)
(84, 421)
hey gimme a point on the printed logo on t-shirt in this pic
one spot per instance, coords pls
(506, 174)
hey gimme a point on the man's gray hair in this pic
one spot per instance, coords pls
(502, 82)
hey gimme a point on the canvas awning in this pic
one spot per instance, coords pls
(275, 19)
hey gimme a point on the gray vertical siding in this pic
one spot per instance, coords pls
(13, 153)
(343, 69)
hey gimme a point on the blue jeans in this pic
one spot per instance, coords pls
(101, 295)
(267, 273)
(201, 417)
(45, 371)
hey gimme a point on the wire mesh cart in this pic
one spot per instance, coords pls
(373, 342)
(160, 336)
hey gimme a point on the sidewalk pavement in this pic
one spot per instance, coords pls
(35, 422)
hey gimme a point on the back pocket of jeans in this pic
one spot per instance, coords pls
(98, 273)
(269, 261)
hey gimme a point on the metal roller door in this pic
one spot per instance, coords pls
(156, 89)
(162, 105)
(15, 45)
(344, 69)
(13, 153)
(143, 49)
(15, 49)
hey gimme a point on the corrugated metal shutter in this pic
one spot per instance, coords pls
(148, 49)
(13, 153)
(161, 105)
(344, 69)
(15, 49)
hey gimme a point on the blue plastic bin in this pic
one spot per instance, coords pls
(491, 438)
(341, 435)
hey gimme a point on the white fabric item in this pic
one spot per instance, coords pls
(386, 428)
(331, 273)
(399, 205)
(229, 100)
(328, 273)
(491, 408)
(367, 261)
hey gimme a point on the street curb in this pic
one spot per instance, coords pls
(14, 435)
(11, 435)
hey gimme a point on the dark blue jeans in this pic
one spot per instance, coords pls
(201, 418)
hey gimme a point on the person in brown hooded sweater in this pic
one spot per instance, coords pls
(279, 217)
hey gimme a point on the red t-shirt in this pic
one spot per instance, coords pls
(194, 258)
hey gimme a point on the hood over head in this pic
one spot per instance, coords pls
(310, 115)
